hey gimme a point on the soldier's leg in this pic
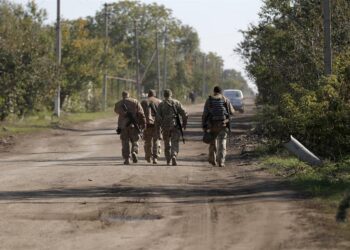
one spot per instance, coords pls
(221, 153)
(134, 138)
(126, 149)
(155, 149)
(167, 145)
(147, 136)
(212, 152)
(155, 146)
(175, 138)
(125, 144)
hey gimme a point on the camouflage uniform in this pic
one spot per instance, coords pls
(151, 134)
(218, 128)
(129, 133)
(171, 133)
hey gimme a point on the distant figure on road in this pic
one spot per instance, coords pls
(216, 120)
(192, 97)
(151, 134)
(166, 118)
(131, 121)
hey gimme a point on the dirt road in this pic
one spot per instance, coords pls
(67, 189)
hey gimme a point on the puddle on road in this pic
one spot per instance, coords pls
(123, 218)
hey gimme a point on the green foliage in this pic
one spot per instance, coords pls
(29, 74)
(26, 66)
(284, 55)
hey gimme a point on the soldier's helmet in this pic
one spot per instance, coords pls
(217, 89)
(125, 94)
(151, 93)
(167, 93)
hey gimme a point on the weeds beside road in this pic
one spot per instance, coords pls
(14, 127)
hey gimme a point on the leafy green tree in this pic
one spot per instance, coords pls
(284, 55)
(27, 71)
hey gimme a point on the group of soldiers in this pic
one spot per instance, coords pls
(154, 120)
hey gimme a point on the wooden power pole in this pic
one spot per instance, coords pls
(57, 110)
(105, 75)
(165, 73)
(137, 58)
(158, 66)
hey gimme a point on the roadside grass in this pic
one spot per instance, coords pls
(45, 120)
(327, 185)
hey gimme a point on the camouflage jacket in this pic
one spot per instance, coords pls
(134, 107)
(150, 108)
(206, 122)
(166, 115)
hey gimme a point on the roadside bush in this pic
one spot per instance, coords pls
(319, 119)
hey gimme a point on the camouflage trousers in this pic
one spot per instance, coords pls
(152, 143)
(171, 137)
(217, 148)
(129, 137)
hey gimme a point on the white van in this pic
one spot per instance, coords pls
(235, 96)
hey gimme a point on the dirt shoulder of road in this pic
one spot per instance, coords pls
(317, 211)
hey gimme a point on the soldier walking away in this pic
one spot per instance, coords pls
(131, 121)
(151, 134)
(216, 120)
(168, 118)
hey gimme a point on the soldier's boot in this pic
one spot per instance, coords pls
(221, 164)
(212, 163)
(173, 161)
(168, 162)
(148, 159)
(155, 161)
(134, 157)
(127, 161)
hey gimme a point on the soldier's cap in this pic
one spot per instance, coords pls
(217, 89)
(167, 93)
(151, 93)
(125, 94)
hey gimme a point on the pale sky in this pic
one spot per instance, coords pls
(217, 21)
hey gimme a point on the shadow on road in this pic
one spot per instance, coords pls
(234, 192)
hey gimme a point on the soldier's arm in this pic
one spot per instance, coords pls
(116, 108)
(158, 121)
(159, 115)
(231, 110)
(141, 115)
(183, 113)
(205, 114)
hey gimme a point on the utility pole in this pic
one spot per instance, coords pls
(137, 57)
(327, 36)
(104, 88)
(57, 110)
(165, 73)
(158, 66)
(204, 85)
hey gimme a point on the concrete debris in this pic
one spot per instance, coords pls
(299, 150)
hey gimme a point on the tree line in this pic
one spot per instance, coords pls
(29, 73)
(284, 56)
